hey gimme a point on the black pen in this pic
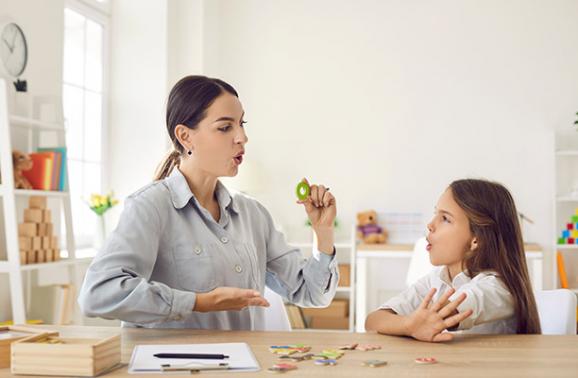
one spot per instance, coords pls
(198, 356)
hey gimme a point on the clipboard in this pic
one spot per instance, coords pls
(241, 358)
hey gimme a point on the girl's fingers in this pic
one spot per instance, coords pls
(457, 319)
(443, 300)
(442, 337)
(425, 303)
(451, 307)
(328, 199)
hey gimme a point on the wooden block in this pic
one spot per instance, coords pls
(49, 229)
(31, 257)
(56, 254)
(23, 257)
(36, 243)
(41, 256)
(42, 229)
(54, 243)
(37, 202)
(46, 242)
(46, 216)
(33, 215)
(50, 255)
(65, 356)
(25, 243)
(27, 229)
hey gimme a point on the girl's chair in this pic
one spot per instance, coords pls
(276, 318)
(557, 311)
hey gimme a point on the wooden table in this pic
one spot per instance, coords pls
(467, 356)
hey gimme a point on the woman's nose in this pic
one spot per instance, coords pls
(241, 137)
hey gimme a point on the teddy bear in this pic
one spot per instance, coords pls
(368, 231)
(21, 162)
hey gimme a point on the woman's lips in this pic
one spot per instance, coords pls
(238, 159)
(428, 247)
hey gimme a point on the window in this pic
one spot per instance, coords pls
(85, 31)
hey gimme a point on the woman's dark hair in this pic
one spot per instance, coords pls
(187, 105)
(494, 222)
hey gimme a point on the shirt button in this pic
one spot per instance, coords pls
(224, 239)
(198, 250)
(238, 268)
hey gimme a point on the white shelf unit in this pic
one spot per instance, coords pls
(565, 204)
(345, 254)
(8, 195)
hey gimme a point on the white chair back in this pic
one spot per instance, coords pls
(419, 264)
(557, 311)
(276, 318)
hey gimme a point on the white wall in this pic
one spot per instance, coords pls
(43, 25)
(387, 102)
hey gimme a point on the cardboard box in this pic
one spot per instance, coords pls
(27, 229)
(49, 354)
(31, 259)
(329, 322)
(37, 202)
(23, 257)
(42, 229)
(40, 256)
(25, 243)
(339, 308)
(54, 242)
(33, 215)
(344, 275)
(56, 254)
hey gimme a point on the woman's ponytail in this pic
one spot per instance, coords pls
(164, 169)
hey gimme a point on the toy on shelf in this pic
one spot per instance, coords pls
(570, 234)
(22, 162)
(368, 231)
(36, 234)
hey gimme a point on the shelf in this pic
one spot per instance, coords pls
(343, 289)
(567, 246)
(310, 245)
(5, 265)
(567, 153)
(26, 192)
(30, 123)
(567, 198)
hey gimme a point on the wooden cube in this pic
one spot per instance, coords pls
(36, 243)
(46, 242)
(27, 229)
(41, 256)
(31, 259)
(42, 229)
(23, 257)
(56, 254)
(54, 243)
(33, 215)
(49, 354)
(25, 243)
(46, 216)
(37, 202)
(10, 334)
(49, 229)
(50, 255)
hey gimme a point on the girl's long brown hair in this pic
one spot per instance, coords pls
(494, 222)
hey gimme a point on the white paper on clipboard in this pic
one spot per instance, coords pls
(241, 358)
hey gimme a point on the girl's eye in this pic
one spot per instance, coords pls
(225, 128)
(445, 219)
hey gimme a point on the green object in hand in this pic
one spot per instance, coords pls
(303, 191)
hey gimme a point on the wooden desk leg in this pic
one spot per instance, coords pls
(360, 294)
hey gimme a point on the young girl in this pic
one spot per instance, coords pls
(481, 284)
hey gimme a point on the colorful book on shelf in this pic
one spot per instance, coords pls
(59, 181)
(40, 176)
(562, 271)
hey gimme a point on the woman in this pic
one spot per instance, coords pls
(187, 253)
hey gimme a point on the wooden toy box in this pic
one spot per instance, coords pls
(10, 334)
(49, 354)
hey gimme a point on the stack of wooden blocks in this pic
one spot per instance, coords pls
(36, 234)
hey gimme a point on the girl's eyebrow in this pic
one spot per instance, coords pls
(444, 212)
(230, 119)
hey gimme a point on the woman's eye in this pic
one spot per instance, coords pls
(225, 128)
